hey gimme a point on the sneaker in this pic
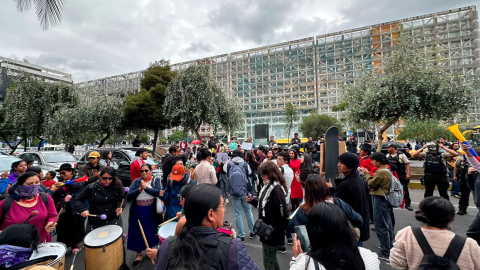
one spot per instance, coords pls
(226, 201)
(383, 257)
(290, 241)
(252, 235)
(282, 249)
(461, 212)
(456, 196)
(226, 224)
(243, 239)
(409, 208)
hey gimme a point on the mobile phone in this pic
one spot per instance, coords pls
(302, 236)
(246, 192)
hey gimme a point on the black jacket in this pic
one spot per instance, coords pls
(354, 191)
(167, 164)
(276, 213)
(101, 200)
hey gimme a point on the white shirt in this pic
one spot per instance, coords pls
(288, 175)
(370, 259)
(144, 195)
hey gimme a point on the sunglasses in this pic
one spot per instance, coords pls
(62, 173)
(107, 178)
(179, 196)
(144, 171)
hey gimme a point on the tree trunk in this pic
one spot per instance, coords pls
(104, 139)
(25, 145)
(155, 137)
(198, 133)
(14, 147)
(382, 129)
(40, 143)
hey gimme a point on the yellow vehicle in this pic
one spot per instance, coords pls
(285, 143)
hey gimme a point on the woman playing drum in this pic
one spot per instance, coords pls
(143, 193)
(27, 205)
(104, 197)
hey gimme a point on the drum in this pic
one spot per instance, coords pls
(48, 249)
(104, 248)
(166, 230)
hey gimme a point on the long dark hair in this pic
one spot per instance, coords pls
(20, 235)
(379, 157)
(117, 183)
(105, 155)
(436, 212)
(316, 190)
(274, 174)
(332, 241)
(305, 168)
(16, 164)
(186, 250)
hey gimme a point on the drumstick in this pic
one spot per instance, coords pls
(102, 217)
(170, 220)
(59, 212)
(75, 252)
(144, 238)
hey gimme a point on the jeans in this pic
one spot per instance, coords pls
(224, 185)
(382, 217)
(252, 180)
(270, 261)
(440, 180)
(473, 230)
(455, 186)
(240, 203)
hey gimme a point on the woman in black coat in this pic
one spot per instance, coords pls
(272, 209)
(104, 197)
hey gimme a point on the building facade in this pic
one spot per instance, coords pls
(10, 68)
(310, 72)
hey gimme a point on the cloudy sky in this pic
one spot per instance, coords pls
(100, 38)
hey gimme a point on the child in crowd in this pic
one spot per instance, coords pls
(49, 179)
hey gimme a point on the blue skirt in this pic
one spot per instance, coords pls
(135, 240)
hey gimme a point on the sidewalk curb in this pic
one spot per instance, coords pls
(418, 185)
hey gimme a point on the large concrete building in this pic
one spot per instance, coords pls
(310, 72)
(10, 68)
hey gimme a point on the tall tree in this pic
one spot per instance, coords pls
(49, 12)
(410, 87)
(30, 103)
(317, 124)
(290, 117)
(195, 98)
(145, 110)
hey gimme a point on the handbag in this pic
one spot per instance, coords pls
(263, 230)
(160, 206)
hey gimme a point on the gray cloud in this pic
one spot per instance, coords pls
(110, 37)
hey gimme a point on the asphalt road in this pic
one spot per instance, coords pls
(403, 218)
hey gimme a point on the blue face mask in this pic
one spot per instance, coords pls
(27, 192)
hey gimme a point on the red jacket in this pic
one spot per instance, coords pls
(183, 145)
(135, 169)
(366, 162)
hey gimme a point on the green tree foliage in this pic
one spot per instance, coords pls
(194, 97)
(178, 135)
(409, 87)
(144, 138)
(317, 124)
(428, 130)
(49, 12)
(30, 103)
(145, 110)
(290, 117)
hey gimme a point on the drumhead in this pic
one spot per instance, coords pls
(103, 236)
(167, 230)
(48, 249)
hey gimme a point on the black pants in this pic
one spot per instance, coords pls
(464, 194)
(406, 195)
(439, 180)
(473, 230)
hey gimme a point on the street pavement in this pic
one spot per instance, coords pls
(403, 219)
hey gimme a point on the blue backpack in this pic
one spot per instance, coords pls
(237, 178)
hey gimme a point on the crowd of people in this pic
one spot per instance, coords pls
(324, 222)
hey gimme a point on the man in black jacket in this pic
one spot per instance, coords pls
(353, 190)
(167, 162)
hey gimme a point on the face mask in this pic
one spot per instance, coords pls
(27, 192)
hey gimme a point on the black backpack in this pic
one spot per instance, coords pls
(7, 204)
(431, 261)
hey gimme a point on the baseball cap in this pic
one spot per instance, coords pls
(177, 173)
(275, 146)
(94, 154)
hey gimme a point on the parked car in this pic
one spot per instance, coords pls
(49, 160)
(155, 156)
(123, 158)
(401, 148)
(6, 162)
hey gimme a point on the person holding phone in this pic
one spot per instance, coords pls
(332, 242)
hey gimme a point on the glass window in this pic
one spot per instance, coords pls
(58, 157)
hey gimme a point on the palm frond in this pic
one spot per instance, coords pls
(23, 5)
(49, 12)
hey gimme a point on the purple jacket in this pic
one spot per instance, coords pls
(13, 177)
(238, 257)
